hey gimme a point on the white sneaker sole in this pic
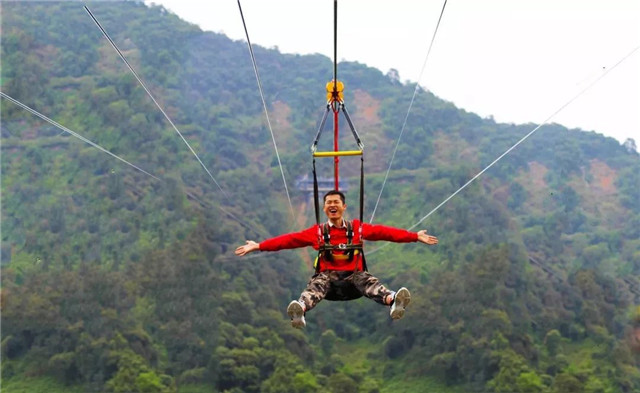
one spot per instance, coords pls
(402, 300)
(296, 313)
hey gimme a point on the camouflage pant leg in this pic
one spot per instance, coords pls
(317, 289)
(370, 286)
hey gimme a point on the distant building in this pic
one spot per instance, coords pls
(325, 184)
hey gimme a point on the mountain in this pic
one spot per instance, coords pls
(120, 276)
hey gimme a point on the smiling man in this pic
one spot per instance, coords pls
(340, 258)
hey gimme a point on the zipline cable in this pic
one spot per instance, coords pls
(404, 124)
(60, 126)
(528, 135)
(135, 74)
(266, 112)
(335, 46)
(575, 97)
(75, 134)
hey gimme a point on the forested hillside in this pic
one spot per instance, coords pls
(117, 279)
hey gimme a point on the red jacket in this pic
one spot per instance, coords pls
(312, 237)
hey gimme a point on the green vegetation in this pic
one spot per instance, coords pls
(113, 281)
(38, 385)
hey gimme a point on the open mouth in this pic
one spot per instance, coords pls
(333, 210)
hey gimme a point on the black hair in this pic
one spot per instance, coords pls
(334, 192)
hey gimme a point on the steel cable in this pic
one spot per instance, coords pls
(404, 123)
(144, 86)
(266, 112)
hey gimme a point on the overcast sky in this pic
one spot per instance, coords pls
(516, 60)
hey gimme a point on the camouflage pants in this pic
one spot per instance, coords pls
(319, 285)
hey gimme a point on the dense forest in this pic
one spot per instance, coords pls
(116, 279)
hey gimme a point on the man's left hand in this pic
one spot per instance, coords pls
(426, 239)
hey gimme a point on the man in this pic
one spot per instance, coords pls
(340, 261)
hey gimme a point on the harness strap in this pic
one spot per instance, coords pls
(326, 249)
(328, 255)
(350, 240)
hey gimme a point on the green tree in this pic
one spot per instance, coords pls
(567, 383)
(553, 340)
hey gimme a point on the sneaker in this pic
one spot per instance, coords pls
(401, 299)
(296, 313)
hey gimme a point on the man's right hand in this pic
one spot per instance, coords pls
(251, 246)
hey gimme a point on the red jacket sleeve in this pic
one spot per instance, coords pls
(305, 238)
(383, 232)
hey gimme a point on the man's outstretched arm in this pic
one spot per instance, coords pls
(378, 232)
(303, 238)
(382, 232)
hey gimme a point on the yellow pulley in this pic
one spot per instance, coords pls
(336, 88)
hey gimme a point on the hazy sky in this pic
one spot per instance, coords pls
(516, 60)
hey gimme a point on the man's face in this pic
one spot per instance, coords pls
(333, 207)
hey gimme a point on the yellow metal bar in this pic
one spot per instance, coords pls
(337, 153)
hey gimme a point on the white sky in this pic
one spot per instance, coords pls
(516, 60)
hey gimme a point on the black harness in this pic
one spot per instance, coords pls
(341, 289)
(326, 249)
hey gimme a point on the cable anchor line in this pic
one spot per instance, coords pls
(73, 133)
(404, 123)
(266, 112)
(566, 104)
(144, 86)
(548, 119)
(89, 142)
